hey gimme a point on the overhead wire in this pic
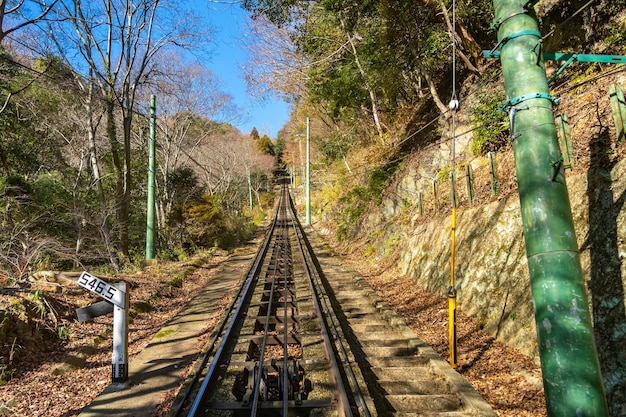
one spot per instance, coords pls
(564, 22)
(499, 70)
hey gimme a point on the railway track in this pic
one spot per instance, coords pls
(304, 336)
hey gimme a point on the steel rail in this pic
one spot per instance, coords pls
(268, 314)
(317, 286)
(286, 384)
(278, 234)
(344, 410)
(237, 305)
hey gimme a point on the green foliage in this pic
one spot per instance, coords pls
(443, 175)
(490, 124)
(184, 185)
(266, 146)
(355, 202)
(336, 146)
(207, 225)
(254, 134)
(279, 148)
(378, 181)
(390, 244)
(617, 34)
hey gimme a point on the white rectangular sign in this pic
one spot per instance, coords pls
(103, 289)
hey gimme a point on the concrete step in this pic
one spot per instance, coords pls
(424, 403)
(415, 387)
(418, 373)
(401, 361)
(378, 352)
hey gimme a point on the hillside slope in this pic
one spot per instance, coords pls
(385, 233)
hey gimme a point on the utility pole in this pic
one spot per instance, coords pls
(569, 361)
(151, 188)
(308, 171)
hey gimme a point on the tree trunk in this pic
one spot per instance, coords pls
(124, 217)
(369, 88)
(117, 163)
(95, 169)
(432, 87)
(467, 40)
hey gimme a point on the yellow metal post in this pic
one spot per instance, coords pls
(451, 289)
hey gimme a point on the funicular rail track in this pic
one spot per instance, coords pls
(294, 342)
(266, 357)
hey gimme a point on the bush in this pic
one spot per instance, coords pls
(490, 124)
(357, 199)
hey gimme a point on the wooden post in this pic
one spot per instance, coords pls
(469, 176)
(420, 203)
(565, 141)
(618, 108)
(494, 174)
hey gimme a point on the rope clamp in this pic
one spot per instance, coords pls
(524, 9)
(512, 112)
(531, 96)
(556, 165)
(451, 292)
(519, 33)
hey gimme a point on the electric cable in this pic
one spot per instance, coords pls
(563, 23)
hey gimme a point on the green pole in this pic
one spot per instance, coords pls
(569, 361)
(308, 171)
(151, 170)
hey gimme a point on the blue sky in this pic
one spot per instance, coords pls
(226, 61)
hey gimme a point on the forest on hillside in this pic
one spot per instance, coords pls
(376, 79)
(75, 84)
(77, 77)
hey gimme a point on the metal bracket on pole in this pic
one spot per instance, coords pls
(531, 96)
(558, 56)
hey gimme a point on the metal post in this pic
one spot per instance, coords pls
(308, 171)
(119, 359)
(451, 288)
(571, 371)
(151, 180)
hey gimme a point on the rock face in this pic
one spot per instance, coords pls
(491, 273)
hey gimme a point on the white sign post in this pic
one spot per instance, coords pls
(118, 296)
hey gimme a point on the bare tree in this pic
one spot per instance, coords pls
(118, 41)
(190, 102)
(21, 14)
(274, 66)
(226, 160)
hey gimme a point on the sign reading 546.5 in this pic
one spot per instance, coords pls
(103, 289)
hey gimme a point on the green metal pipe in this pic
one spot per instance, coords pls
(151, 189)
(571, 371)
